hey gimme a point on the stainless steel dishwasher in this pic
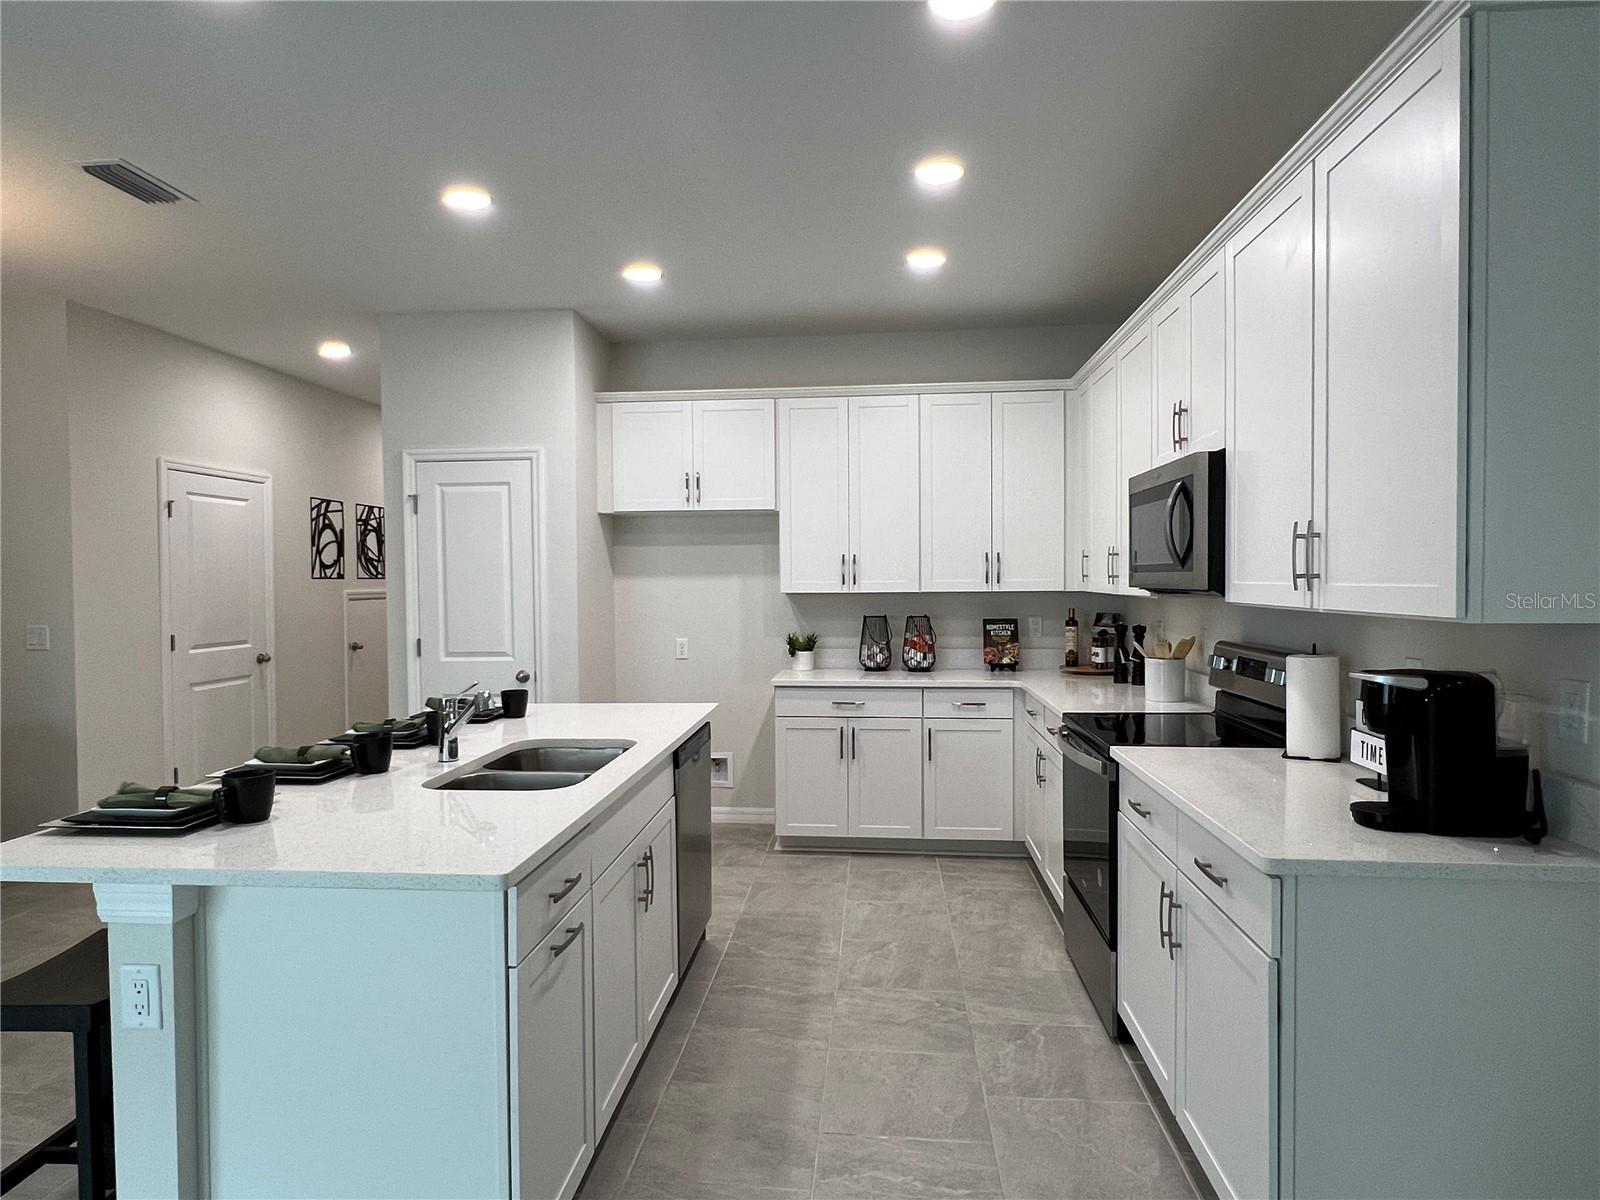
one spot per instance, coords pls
(691, 769)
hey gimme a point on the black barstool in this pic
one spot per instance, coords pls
(70, 994)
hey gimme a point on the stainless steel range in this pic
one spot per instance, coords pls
(1249, 712)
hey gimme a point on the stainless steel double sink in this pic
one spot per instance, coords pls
(541, 765)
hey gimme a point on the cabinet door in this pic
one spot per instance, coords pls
(658, 920)
(1147, 977)
(1055, 846)
(1227, 1064)
(618, 898)
(1135, 436)
(1076, 437)
(552, 1037)
(813, 792)
(1028, 480)
(734, 454)
(885, 777)
(814, 500)
(956, 549)
(1029, 785)
(652, 456)
(1202, 416)
(1269, 301)
(1388, 328)
(1170, 330)
(1105, 491)
(966, 781)
(885, 499)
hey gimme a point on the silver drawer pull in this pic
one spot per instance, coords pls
(1205, 869)
(566, 891)
(1029, 711)
(848, 703)
(572, 936)
(972, 704)
(1138, 808)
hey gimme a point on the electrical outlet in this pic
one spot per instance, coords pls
(682, 650)
(1572, 725)
(141, 996)
(1413, 663)
(1036, 628)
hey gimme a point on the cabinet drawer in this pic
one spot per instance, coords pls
(1246, 895)
(1038, 714)
(1152, 815)
(848, 702)
(610, 835)
(541, 898)
(967, 702)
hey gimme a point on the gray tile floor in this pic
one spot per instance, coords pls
(855, 1026)
(890, 1027)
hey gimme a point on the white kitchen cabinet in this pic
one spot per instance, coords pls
(1055, 846)
(1135, 438)
(1147, 977)
(1170, 330)
(885, 496)
(1227, 1047)
(885, 777)
(1042, 815)
(658, 923)
(1028, 788)
(1269, 368)
(683, 455)
(552, 1040)
(814, 500)
(957, 548)
(618, 897)
(1104, 488)
(1076, 496)
(1190, 337)
(966, 780)
(813, 785)
(734, 454)
(1028, 455)
(1388, 423)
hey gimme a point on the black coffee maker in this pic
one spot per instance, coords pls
(1447, 773)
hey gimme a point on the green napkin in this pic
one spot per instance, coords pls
(138, 795)
(300, 754)
(401, 726)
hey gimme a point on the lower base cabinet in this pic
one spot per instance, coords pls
(885, 777)
(552, 1041)
(966, 779)
(1040, 781)
(813, 786)
(1147, 970)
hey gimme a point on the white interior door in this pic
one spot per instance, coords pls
(476, 551)
(366, 656)
(652, 456)
(1028, 481)
(1269, 274)
(955, 474)
(813, 509)
(885, 501)
(218, 575)
(734, 455)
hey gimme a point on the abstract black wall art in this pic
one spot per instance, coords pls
(369, 541)
(327, 538)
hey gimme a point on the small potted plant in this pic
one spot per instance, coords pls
(803, 649)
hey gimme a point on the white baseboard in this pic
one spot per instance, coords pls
(729, 815)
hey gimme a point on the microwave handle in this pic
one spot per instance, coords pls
(1178, 489)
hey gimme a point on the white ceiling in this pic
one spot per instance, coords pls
(759, 151)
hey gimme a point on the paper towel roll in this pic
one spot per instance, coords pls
(1315, 715)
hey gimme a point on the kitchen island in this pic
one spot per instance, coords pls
(390, 988)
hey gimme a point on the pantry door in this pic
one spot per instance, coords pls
(216, 591)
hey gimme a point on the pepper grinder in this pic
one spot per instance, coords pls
(1120, 673)
(1136, 657)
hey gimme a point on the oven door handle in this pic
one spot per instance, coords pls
(1089, 762)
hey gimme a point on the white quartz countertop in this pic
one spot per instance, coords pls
(386, 831)
(1293, 818)
(1064, 693)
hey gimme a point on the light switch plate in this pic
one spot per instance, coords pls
(1572, 724)
(1036, 628)
(38, 637)
(682, 648)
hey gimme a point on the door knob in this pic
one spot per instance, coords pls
(357, 646)
(263, 657)
(522, 677)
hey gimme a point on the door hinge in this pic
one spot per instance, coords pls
(172, 642)
(412, 496)
(419, 647)
(169, 510)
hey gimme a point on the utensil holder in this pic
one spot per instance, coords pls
(1164, 679)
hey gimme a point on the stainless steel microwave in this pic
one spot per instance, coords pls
(1175, 525)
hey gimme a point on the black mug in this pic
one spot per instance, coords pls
(514, 702)
(244, 794)
(370, 753)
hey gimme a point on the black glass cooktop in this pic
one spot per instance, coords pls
(1105, 730)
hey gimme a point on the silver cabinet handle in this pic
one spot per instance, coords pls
(1031, 713)
(1174, 425)
(852, 743)
(1083, 565)
(263, 658)
(1311, 536)
(570, 883)
(1173, 944)
(1161, 915)
(650, 876)
(985, 568)
(841, 571)
(997, 568)
(1205, 869)
(644, 865)
(1294, 557)
(841, 743)
(354, 646)
(972, 704)
(686, 500)
(573, 932)
(1140, 809)
(930, 745)
(848, 703)
(697, 495)
(1038, 769)
(853, 579)
(1183, 438)
(1053, 730)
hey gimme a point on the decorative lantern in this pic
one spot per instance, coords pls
(917, 651)
(874, 654)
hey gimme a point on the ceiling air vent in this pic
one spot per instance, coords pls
(141, 185)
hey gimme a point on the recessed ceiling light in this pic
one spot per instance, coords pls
(642, 274)
(337, 351)
(925, 259)
(939, 171)
(959, 10)
(465, 198)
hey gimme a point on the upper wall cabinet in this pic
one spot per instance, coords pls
(848, 470)
(1190, 354)
(1135, 437)
(680, 455)
(992, 481)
